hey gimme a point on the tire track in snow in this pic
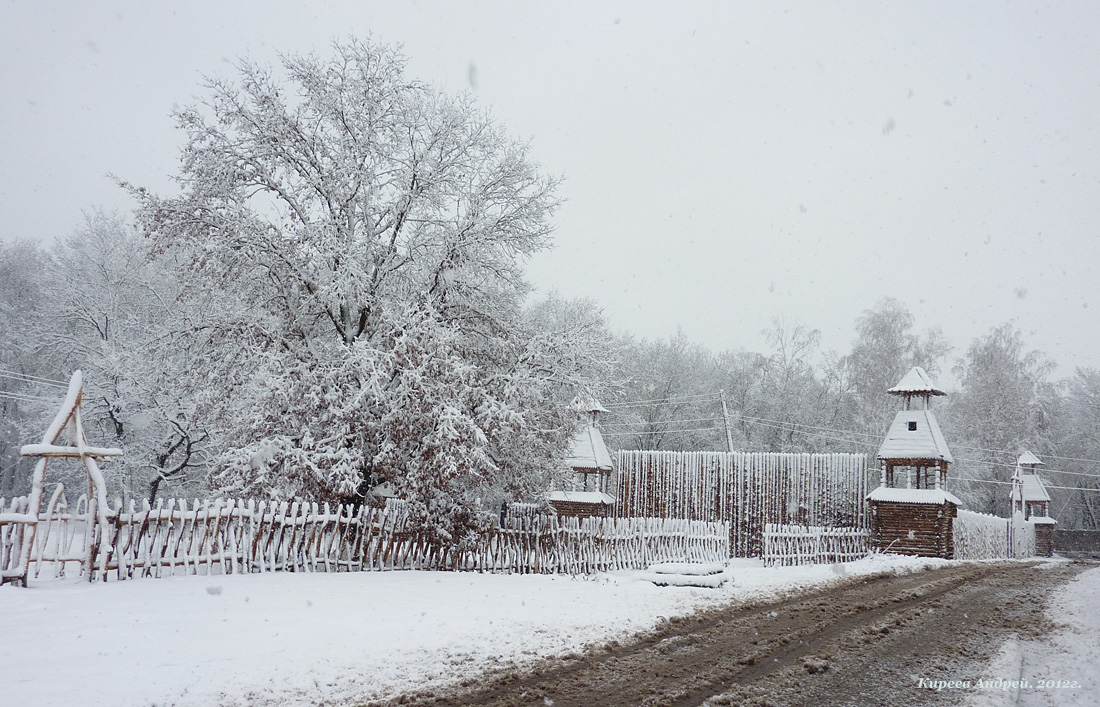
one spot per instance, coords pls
(780, 652)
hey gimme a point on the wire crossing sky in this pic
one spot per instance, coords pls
(725, 163)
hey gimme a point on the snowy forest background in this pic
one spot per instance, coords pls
(336, 298)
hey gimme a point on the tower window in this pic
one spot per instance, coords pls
(912, 425)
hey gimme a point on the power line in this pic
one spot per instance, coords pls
(21, 397)
(1072, 459)
(790, 427)
(705, 396)
(1009, 483)
(639, 403)
(1072, 473)
(27, 378)
(1013, 466)
(854, 433)
(664, 422)
(641, 433)
(956, 446)
(793, 427)
(1005, 451)
(11, 466)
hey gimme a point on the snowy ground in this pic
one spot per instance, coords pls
(296, 639)
(1062, 670)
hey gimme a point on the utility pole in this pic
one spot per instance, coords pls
(726, 421)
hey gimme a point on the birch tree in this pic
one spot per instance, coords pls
(1006, 405)
(885, 349)
(1078, 441)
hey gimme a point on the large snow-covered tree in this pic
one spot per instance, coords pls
(367, 234)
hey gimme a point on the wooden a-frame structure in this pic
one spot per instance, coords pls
(67, 419)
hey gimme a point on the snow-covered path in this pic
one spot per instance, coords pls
(1063, 670)
(299, 639)
(292, 639)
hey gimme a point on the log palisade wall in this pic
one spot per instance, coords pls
(922, 529)
(748, 490)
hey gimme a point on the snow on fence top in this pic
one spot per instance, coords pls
(231, 536)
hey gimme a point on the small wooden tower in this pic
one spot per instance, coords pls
(1031, 502)
(912, 512)
(589, 490)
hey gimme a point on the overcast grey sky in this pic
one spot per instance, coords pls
(725, 163)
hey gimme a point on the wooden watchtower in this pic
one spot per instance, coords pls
(1031, 502)
(588, 490)
(912, 512)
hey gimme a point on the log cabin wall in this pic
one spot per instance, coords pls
(922, 529)
(579, 509)
(1044, 539)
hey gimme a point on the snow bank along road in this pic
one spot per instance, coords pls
(872, 640)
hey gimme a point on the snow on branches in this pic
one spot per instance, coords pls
(363, 235)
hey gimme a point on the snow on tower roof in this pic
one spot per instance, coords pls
(936, 497)
(582, 497)
(916, 381)
(1028, 458)
(915, 434)
(1030, 488)
(588, 450)
(586, 402)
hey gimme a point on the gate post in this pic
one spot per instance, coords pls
(67, 418)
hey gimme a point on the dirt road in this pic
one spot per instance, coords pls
(862, 641)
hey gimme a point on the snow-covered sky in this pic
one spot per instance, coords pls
(725, 163)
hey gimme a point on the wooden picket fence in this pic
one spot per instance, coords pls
(231, 537)
(786, 545)
(747, 490)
